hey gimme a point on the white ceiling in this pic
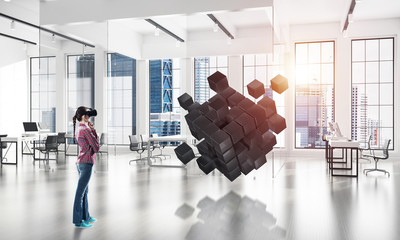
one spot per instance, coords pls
(200, 22)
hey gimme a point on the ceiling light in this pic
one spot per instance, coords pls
(351, 18)
(178, 43)
(215, 27)
(53, 38)
(7, 0)
(12, 25)
(157, 32)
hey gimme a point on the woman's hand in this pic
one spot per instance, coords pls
(91, 126)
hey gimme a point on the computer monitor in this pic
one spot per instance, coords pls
(30, 127)
(43, 126)
(338, 133)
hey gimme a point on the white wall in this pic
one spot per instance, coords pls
(14, 87)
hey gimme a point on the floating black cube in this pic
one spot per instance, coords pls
(227, 156)
(245, 104)
(258, 113)
(209, 130)
(235, 99)
(218, 82)
(264, 127)
(204, 107)
(184, 153)
(227, 93)
(220, 107)
(235, 131)
(269, 106)
(185, 100)
(277, 123)
(247, 123)
(221, 141)
(190, 118)
(230, 165)
(268, 141)
(257, 156)
(212, 115)
(199, 124)
(203, 147)
(255, 88)
(252, 138)
(232, 175)
(279, 84)
(194, 106)
(233, 113)
(206, 164)
(246, 166)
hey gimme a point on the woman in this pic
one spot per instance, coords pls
(89, 144)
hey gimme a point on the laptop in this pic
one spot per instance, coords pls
(30, 128)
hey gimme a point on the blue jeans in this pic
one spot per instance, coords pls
(81, 208)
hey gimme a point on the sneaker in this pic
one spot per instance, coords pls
(83, 224)
(90, 220)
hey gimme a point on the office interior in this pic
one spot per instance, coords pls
(131, 60)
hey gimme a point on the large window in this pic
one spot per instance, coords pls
(264, 67)
(121, 72)
(372, 90)
(165, 113)
(315, 92)
(80, 82)
(203, 68)
(43, 91)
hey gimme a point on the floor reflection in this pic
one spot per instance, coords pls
(231, 217)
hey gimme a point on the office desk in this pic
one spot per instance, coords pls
(345, 146)
(174, 138)
(9, 140)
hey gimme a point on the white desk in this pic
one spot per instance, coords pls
(9, 140)
(174, 138)
(344, 145)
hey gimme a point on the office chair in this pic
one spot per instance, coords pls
(102, 142)
(136, 145)
(157, 144)
(365, 149)
(61, 140)
(50, 145)
(376, 157)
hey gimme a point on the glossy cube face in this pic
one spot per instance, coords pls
(279, 84)
(237, 132)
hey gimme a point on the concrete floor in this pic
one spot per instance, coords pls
(138, 202)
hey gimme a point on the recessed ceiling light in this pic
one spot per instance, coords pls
(7, 0)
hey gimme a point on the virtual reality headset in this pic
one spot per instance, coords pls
(90, 112)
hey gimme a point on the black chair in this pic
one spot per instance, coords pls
(50, 145)
(136, 146)
(103, 143)
(61, 140)
(377, 157)
(366, 149)
(145, 140)
(157, 144)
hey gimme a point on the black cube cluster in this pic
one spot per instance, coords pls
(234, 132)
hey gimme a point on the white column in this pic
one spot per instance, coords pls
(142, 97)
(100, 88)
(235, 73)
(61, 91)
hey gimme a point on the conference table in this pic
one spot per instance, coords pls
(345, 145)
(174, 138)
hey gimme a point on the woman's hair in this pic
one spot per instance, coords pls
(78, 116)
